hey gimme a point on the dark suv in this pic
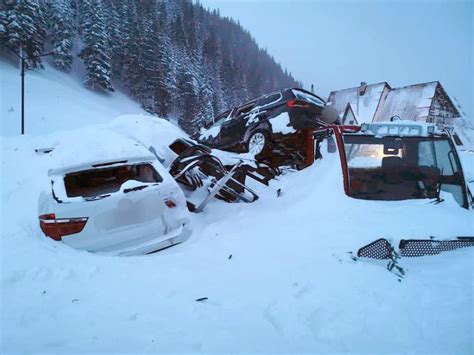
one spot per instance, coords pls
(249, 127)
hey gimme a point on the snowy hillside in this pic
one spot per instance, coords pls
(54, 101)
(278, 273)
(174, 57)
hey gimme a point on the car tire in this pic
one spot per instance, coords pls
(257, 142)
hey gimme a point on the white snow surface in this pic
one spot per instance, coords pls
(280, 124)
(290, 285)
(209, 132)
(54, 100)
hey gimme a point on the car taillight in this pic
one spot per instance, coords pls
(56, 228)
(170, 203)
(298, 103)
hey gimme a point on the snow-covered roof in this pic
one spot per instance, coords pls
(411, 102)
(368, 102)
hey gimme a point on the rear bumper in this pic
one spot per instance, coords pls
(174, 237)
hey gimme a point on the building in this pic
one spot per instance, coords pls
(427, 102)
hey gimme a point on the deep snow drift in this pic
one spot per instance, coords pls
(277, 273)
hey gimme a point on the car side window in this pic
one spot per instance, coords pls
(267, 100)
(245, 109)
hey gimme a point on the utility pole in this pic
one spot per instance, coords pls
(23, 60)
(22, 92)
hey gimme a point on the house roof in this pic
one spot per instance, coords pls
(368, 102)
(349, 114)
(411, 102)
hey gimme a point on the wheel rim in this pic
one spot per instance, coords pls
(256, 143)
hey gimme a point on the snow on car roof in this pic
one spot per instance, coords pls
(93, 145)
(150, 132)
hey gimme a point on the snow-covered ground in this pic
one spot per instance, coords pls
(277, 273)
(54, 101)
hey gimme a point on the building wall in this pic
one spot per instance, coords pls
(440, 111)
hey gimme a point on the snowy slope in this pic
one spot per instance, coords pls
(54, 101)
(277, 272)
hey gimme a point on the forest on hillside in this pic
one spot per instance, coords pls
(175, 57)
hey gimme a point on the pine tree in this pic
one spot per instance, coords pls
(61, 22)
(3, 23)
(188, 99)
(164, 86)
(25, 29)
(213, 82)
(95, 52)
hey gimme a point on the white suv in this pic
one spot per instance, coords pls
(128, 206)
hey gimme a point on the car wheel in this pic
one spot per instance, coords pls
(257, 142)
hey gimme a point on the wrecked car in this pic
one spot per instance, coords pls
(200, 172)
(129, 206)
(251, 126)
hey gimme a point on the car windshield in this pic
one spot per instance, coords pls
(220, 119)
(396, 168)
(96, 182)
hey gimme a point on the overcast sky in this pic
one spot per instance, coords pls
(338, 44)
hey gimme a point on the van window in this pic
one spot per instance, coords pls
(96, 182)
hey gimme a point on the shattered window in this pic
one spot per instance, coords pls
(96, 182)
